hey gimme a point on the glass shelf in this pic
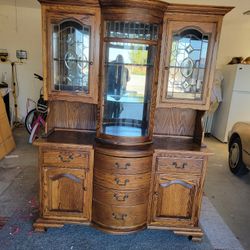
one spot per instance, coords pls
(129, 60)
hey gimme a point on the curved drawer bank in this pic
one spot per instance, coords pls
(121, 190)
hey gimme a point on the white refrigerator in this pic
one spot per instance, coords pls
(235, 105)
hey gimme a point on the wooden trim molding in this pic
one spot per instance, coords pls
(92, 3)
(198, 9)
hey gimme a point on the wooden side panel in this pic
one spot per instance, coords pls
(71, 115)
(174, 121)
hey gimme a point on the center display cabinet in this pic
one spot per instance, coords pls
(127, 83)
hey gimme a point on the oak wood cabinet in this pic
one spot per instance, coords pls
(127, 83)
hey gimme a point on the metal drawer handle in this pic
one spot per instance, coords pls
(120, 197)
(182, 166)
(118, 182)
(118, 166)
(66, 158)
(119, 216)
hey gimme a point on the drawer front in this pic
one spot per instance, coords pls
(120, 198)
(118, 217)
(123, 165)
(75, 159)
(179, 164)
(121, 182)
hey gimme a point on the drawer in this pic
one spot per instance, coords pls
(121, 182)
(119, 217)
(179, 164)
(65, 158)
(120, 198)
(123, 165)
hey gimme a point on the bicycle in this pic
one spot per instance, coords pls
(35, 119)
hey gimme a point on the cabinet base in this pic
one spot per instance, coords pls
(118, 231)
(41, 224)
(193, 233)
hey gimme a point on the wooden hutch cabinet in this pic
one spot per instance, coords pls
(127, 83)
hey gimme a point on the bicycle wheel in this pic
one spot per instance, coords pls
(29, 119)
(33, 133)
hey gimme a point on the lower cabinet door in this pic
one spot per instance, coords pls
(66, 194)
(174, 200)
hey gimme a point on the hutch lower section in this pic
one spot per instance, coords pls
(121, 190)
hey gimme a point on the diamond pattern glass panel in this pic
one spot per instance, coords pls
(187, 64)
(70, 50)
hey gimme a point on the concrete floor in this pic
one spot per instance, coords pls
(229, 194)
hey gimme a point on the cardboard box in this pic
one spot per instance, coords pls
(7, 143)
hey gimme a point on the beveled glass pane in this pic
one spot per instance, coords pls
(127, 90)
(133, 30)
(187, 64)
(70, 51)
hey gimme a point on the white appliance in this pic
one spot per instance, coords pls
(235, 105)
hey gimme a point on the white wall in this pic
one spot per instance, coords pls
(20, 28)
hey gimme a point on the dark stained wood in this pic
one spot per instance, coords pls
(199, 128)
(71, 115)
(68, 140)
(173, 121)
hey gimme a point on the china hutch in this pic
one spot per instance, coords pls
(127, 83)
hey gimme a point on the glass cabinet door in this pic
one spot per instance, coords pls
(128, 78)
(186, 63)
(70, 56)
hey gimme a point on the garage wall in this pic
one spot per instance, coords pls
(20, 28)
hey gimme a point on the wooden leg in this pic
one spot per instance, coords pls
(41, 225)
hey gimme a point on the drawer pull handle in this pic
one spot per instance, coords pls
(118, 166)
(176, 165)
(119, 216)
(118, 182)
(120, 197)
(66, 158)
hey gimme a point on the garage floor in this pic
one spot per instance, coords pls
(229, 194)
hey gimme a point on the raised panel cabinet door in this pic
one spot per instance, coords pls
(66, 194)
(174, 199)
(71, 37)
(186, 64)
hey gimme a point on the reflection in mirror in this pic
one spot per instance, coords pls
(70, 49)
(127, 91)
(187, 64)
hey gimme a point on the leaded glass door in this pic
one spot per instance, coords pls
(72, 70)
(186, 63)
